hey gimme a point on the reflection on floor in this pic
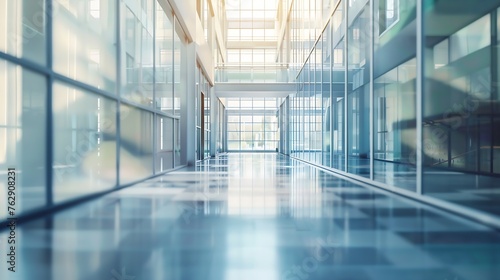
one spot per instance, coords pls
(474, 191)
(253, 216)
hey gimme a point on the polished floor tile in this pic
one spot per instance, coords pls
(253, 216)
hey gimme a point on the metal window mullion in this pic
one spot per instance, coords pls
(174, 25)
(83, 86)
(155, 114)
(419, 96)
(332, 61)
(323, 152)
(372, 86)
(241, 126)
(264, 140)
(49, 145)
(312, 101)
(494, 86)
(251, 123)
(27, 64)
(118, 89)
(346, 81)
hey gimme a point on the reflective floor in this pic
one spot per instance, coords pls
(256, 217)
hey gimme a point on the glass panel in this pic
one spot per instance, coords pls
(394, 110)
(165, 144)
(138, 53)
(22, 135)
(254, 125)
(315, 151)
(258, 103)
(84, 42)
(177, 143)
(471, 38)
(246, 103)
(179, 66)
(338, 90)
(271, 146)
(300, 115)
(198, 143)
(22, 25)
(233, 119)
(461, 113)
(305, 112)
(234, 135)
(233, 103)
(207, 144)
(233, 127)
(207, 111)
(325, 126)
(358, 105)
(270, 103)
(394, 126)
(136, 139)
(389, 27)
(84, 142)
(233, 145)
(164, 63)
(388, 14)
(246, 119)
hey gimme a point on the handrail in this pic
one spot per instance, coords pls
(463, 154)
(453, 158)
(252, 65)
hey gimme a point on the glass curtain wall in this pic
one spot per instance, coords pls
(104, 125)
(252, 124)
(358, 88)
(221, 128)
(332, 110)
(251, 44)
(284, 126)
(324, 87)
(394, 101)
(202, 115)
(461, 112)
(338, 86)
(358, 80)
(23, 100)
(310, 108)
(207, 124)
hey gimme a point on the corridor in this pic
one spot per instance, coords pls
(255, 216)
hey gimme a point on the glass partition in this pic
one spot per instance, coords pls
(394, 126)
(164, 62)
(338, 86)
(23, 25)
(62, 96)
(23, 105)
(358, 92)
(394, 97)
(85, 142)
(252, 124)
(164, 158)
(461, 113)
(84, 42)
(136, 143)
(326, 86)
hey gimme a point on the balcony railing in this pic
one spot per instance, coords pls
(253, 73)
